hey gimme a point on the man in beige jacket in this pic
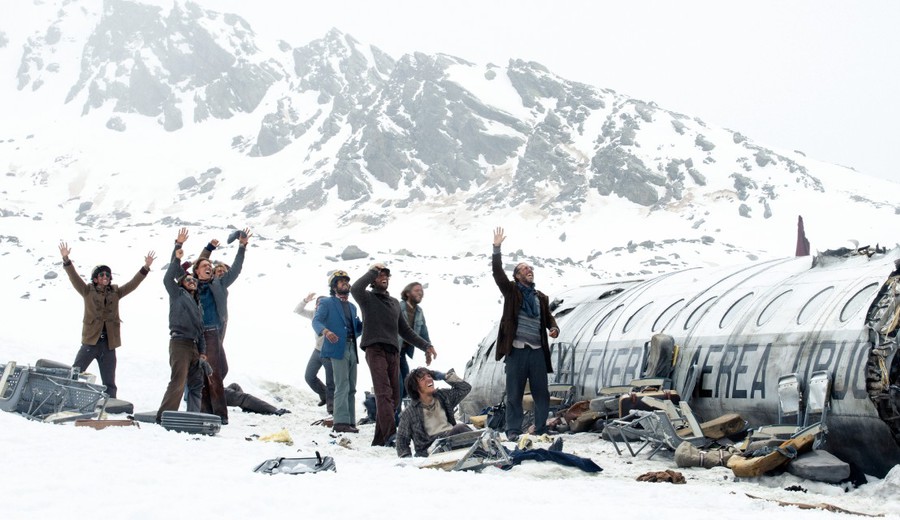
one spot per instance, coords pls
(101, 331)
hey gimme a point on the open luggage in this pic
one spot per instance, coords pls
(191, 422)
(295, 465)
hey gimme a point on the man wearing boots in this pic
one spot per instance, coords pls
(213, 294)
(100, 331)
(336, 321)
(522, 340)
(186, 344)
(384, 324)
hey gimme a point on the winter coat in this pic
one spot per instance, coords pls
(381, 313)
(512, 305)
(219, 286)
(185, 315)
(418, 326)
(330, 315)
(101, 306)
(412, 420)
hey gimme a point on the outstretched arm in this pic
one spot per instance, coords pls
(500, 277)
(140, 276)
(175, 270)
(75, 280)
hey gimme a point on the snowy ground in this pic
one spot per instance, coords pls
(149, 472)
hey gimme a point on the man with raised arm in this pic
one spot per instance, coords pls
(100, 330)
(522, 340)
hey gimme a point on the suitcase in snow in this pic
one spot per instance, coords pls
(191, 422)
(296, 465)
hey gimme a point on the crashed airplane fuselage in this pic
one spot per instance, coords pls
(739, 328)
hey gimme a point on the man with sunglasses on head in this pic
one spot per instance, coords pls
(100, 331)
(522, 340)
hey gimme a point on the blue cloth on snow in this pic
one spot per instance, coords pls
(566, 459)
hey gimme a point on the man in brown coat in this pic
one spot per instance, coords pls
(100, 332)
(522, 340)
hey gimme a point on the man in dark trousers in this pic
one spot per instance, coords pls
(187, 345)
(213, 295)
(100, 331)
(383, 324)
(522, 340)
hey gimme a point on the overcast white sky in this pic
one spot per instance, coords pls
(822, 77)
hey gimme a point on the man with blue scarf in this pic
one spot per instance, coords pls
(522, 340)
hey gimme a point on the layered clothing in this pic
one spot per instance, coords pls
(187, 341)
(412, 420)
(339, 316)
(513, 300)
(385, 327)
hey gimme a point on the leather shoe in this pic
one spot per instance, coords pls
(345, 428)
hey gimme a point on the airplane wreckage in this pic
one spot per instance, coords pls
(738, 329)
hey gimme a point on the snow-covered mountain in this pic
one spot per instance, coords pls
(123, 114)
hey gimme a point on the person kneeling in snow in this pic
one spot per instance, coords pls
(430, 414)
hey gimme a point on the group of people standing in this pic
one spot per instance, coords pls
(387, 330)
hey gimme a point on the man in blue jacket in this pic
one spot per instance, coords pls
(337, 322)
(213, 295)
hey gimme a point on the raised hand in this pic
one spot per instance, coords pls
(245, 236)
(499, 237)
(214, 243)
(182, 236)
(64, 250)
(148, 260)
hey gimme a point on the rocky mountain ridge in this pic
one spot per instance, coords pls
(347, 131)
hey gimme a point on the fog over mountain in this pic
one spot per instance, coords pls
(122, 114)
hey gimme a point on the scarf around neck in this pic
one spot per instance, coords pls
(529, 300)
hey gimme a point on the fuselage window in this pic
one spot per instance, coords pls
(735, 310)
(698, 313)
(607, 319)
(858, 301)
(814, 304)
(773, 307)
(667, 316)
(636, 317)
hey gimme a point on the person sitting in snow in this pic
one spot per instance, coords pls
(429, 415)
(100, 331)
